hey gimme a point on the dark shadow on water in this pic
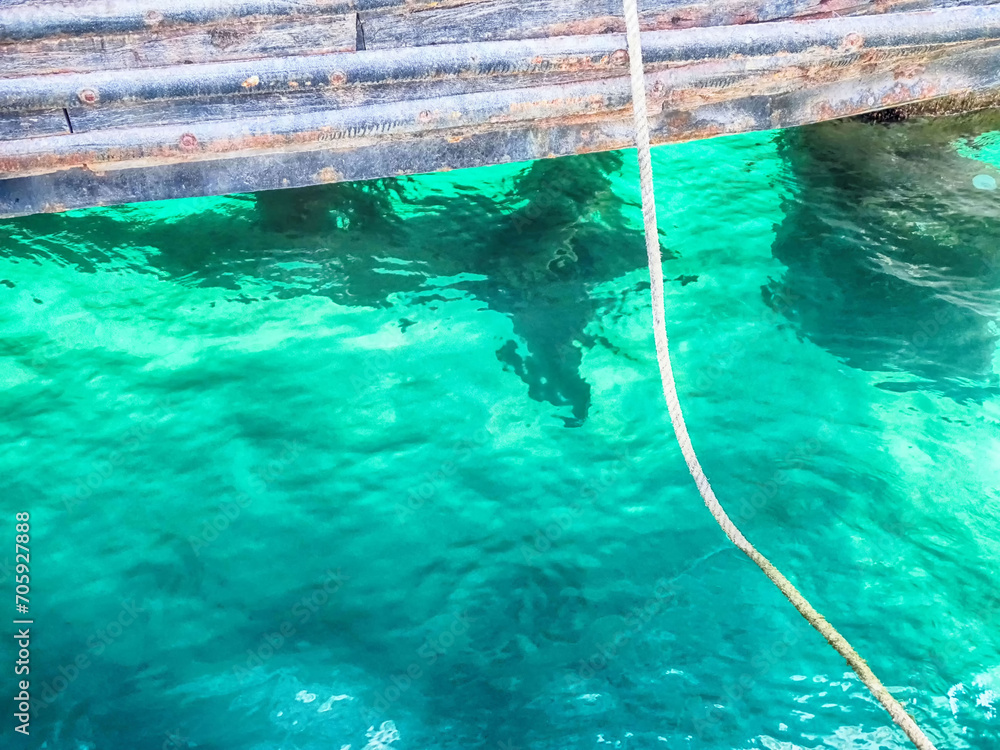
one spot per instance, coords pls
(531, 255)
(893, 254)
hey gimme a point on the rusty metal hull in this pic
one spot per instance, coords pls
(301, 115)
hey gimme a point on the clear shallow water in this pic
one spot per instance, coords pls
(399, 474)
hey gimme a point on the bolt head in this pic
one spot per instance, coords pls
(854, 40)
(88, 96)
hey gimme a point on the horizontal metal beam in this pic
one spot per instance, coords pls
(310, 72)
(690, 68)
(211, 129)
(79, 188)
(37, 20)
(762, 106)
(497, 59)
(271, 133)
(23, 20)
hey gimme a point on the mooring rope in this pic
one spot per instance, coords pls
(814, 618)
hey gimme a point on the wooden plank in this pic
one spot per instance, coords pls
(243, 39)
(15, 125)
(481, 20)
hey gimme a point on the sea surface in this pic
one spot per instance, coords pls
(386, 465)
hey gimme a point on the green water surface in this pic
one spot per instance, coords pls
(388, 465)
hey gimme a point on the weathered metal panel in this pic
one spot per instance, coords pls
(165, 111)
(823, 39)
(102, 150)
(480, 20)
(31, 19)
(285, 118)
(689, 68)
(878, 87)
(293, 74)
(241, 39)
(17, 125)
(765, 106)
(77, 188)
(394, 23)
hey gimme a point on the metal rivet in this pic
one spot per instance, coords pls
(854, 40)
(188, 140)
(338, 78)
(619, 57)
(424, 116)
(88, 96)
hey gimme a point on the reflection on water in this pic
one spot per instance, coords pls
(197, 428)
(531, 254)
(892, 243)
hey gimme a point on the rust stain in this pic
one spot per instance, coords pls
(681, 21)
(455, 139)
(854, 41)
(901, 93)
(594, 101)
(578, 64)
(683, 122)
(231, 35)
(250, 82)
(824, 111)
(908, 71)
(586, 26)
(866, 101)
(328, 174)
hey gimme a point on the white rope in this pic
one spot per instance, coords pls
(835, 639)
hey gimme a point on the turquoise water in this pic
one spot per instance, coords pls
(388, 466)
